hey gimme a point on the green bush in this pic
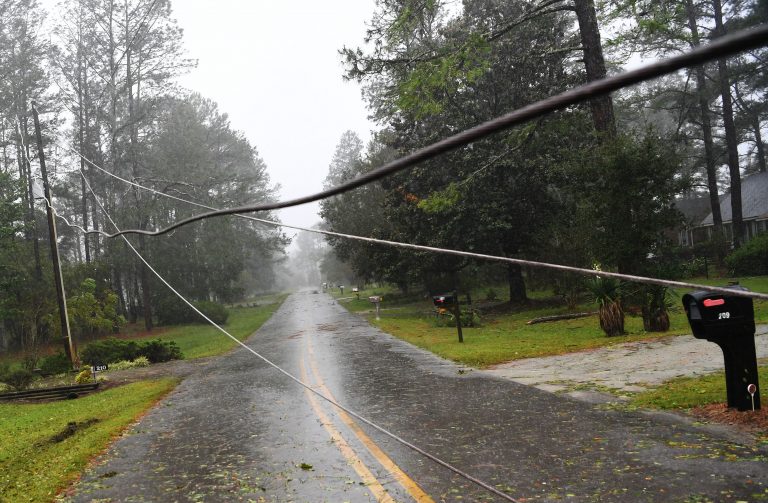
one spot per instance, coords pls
(697, 266)
(157, 351)
(55, 364)
(30, 362)
(216, 312)
(172, 311)
(751, 259)
(115, 350)
(469, 318)
(109, 351)
(5, 369)
(19, 379)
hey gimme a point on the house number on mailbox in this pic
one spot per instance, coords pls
(724, 316)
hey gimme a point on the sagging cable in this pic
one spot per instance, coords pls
(352, 413)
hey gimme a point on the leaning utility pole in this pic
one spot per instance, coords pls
(69, 348)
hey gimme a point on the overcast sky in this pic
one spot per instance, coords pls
(274, 67)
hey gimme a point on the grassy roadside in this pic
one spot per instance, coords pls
(506, 336)
(690, 392)
(196, 340)
(201, 340)
(34, 467)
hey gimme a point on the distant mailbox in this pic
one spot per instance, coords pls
(445, 300)
(729, 322)
(355, 290)
(374, 299)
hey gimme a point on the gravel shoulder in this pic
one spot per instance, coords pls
(630, 367)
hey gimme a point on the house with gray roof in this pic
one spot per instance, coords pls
(754, 208)
(693, 210)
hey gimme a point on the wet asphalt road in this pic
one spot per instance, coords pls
(238, 430)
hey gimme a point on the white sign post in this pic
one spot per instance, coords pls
(752, 389)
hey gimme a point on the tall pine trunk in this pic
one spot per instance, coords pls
(25, 169)
(81, 148)
(706, 128)
(594, 63)
(731, 140)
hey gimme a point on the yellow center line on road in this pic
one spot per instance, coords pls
(357, 464)
(416, 492)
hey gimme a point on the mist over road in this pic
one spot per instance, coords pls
(237, 430)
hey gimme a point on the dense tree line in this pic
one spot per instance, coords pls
(593, 185)
(104, 84)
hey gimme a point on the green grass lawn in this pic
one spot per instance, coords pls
(34, 468)
(200, 340)
(689, 392)
(506, 337)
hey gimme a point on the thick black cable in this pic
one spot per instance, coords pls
(447, 251)
(722, 47)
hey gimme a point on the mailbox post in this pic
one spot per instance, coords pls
(450, 301)
(376, 300)
(729, 322)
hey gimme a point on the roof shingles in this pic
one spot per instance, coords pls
(754, 200)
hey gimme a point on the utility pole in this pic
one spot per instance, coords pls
(69, 348)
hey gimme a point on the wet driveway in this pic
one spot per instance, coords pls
(238, 430)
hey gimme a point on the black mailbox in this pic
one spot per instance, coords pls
(445, 300)
(714, 316)
(729, 322)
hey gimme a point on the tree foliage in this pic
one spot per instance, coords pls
(113, 64)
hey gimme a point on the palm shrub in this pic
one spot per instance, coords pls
(606, 293)
(655, 308)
